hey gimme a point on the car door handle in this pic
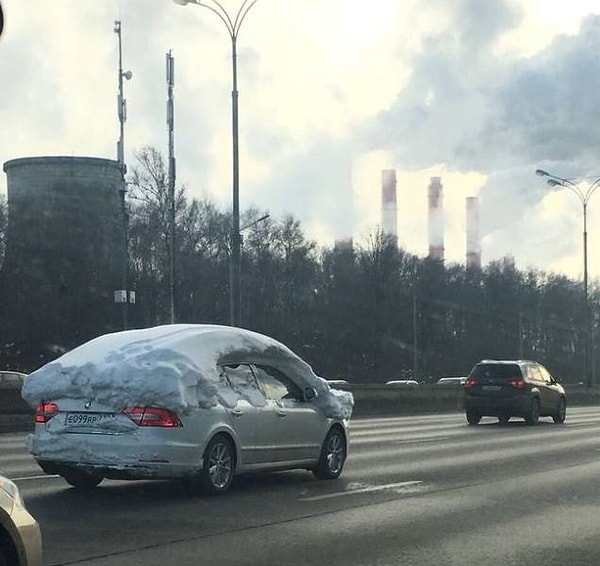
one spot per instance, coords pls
(236, 412)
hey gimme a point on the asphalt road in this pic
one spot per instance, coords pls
(420, 491)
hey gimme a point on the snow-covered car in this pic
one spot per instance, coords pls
(20, 537)
(196, 402)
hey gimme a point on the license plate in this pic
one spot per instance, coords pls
(85, 419)
(492, 387)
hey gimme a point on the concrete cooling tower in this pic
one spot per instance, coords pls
(65, 249)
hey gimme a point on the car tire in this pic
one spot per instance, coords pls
(81, 479)
(8, 552)
(333, 455)
(503, 419)
(473, 418)
(533, 416)
(561, 413)
(218, 465)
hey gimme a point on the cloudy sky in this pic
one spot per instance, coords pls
(478, 92)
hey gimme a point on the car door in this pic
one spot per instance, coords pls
(534, 377)
(552, 391)
(299, 425)
(248, 414)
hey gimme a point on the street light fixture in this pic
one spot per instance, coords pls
(233, 27)
(584, 195)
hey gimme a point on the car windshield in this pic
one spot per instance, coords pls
(248, 245)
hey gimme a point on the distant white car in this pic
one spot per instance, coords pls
(401, 382)
(338, 382)
(451, 380)
(10, 378)
(195, 402)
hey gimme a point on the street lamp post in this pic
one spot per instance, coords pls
(233, 27)
(584, 195)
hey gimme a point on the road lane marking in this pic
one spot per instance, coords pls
(367, 489)
(43, 476)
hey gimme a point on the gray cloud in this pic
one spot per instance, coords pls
(314, 184)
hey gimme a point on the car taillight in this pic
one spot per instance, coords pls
(517, 382)
(45, 411)
(152, 416)
(470, 382)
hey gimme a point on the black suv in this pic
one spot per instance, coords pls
(513, 388)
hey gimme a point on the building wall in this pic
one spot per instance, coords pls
(65, 249)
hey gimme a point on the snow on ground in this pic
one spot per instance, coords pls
(173, 366)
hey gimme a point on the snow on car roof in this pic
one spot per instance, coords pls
(174, 366)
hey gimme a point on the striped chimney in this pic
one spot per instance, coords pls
(436, 219)
(389, 207)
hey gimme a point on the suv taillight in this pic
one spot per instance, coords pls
(517, 382)
(470, 382)
(152, 416)
(45, 411)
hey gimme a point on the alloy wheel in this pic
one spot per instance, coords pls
(220, 465)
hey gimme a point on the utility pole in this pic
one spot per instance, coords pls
(122, 296)
(170, 124)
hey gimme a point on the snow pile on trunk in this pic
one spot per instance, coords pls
(173, 366)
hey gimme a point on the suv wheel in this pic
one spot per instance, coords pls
(561, 413)
(473, 418)
(533, 416)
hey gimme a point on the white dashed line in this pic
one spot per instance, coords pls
(367, 489)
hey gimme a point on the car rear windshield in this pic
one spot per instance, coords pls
(496, 371)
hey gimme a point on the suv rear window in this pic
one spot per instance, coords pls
(496, 371)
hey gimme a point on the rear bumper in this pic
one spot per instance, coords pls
(116, 456)
(495, 407)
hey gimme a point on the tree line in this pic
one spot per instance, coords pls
(368, 312)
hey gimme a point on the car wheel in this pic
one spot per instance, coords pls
(561, 413)
(333, 456)
(8, 552)
(533, 416)
(503, 419)
(80, 479)
(218, 465)
(473, 418)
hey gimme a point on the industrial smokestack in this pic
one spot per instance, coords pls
(473, 242)
(389, 208)
(436, 219)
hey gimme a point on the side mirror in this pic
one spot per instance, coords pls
(310, 394)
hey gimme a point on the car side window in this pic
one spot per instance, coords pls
(533, 373)
(239, 376)
(545, 374)
(276, 385)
